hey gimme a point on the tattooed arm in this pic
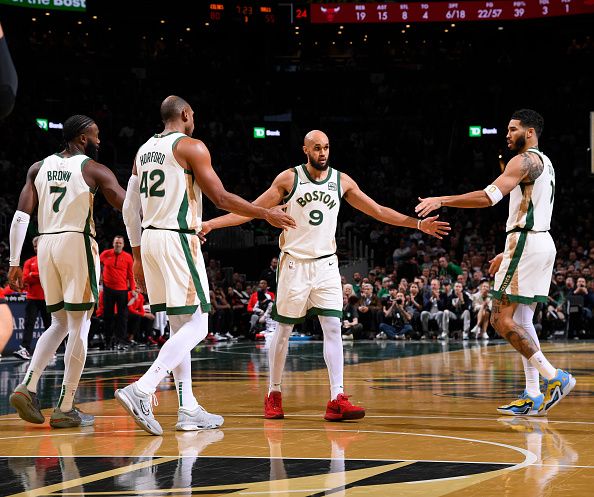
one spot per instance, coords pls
(523, 168)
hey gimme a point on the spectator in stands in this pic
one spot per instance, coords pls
(384, 291)
(238, 300)
(357, 280)
(476, 281)
(457, 312)
(481, 308)
(262, 286)
(369, 309)
(582, 298)
(261, 318)
(448, 269)
(221, 315)
(554, 318)
(347, 289)
(433, 307)
(414, 304)
(140, 322)
(117, 280)
(269, 274)
(351, 328)
(397, 319)
(35, 305)
(447, 288)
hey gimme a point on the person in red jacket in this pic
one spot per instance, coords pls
(35, 305)
(117, 279)
(263, 285)
(140, 322)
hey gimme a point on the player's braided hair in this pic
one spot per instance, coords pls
(75, 125)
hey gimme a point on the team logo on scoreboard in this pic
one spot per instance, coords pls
(330, 12)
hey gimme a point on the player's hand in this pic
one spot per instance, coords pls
(15, 278)
(495, 263)
(427, 205)
(204, 230)
(138, 271)
(277, 217)
(435, 228)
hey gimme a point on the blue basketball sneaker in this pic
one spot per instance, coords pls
(524, 405)
(556, 388)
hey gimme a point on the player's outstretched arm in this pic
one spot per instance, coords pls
(281, 185)
(360, 201)
(196, 156)
(523, 166)
(18, 229)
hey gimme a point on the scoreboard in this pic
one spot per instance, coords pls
(359, 12)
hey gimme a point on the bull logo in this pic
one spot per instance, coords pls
(330, 12)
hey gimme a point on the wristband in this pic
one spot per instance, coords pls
(493, 193)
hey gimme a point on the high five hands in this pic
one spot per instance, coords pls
(433, 227)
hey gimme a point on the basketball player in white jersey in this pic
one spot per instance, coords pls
(523, 270)
(171, 170)
(61, 188)
(308, 276)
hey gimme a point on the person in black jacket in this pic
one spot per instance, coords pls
(457, 311)
(433, 307)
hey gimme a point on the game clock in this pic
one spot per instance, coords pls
(243, 12)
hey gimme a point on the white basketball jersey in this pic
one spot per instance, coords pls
(169, 195)
(65, 199)
(531, 204)
(314, 205)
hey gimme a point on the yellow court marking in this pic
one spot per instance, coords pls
(92, 478)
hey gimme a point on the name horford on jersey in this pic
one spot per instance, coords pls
(169, 194)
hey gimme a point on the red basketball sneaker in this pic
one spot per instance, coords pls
(273, 406)
(341, 409)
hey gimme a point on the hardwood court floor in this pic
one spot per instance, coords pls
(431, 428)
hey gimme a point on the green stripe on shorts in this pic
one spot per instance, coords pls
(204, 304)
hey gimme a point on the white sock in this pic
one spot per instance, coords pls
(277, 355)
(182, 374)
(46, 347)
(75, 356)
(333, 353)
(539, 361)
(523, 316)
(175, 350)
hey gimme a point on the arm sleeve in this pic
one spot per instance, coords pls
(131, 211)
(18, 230)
